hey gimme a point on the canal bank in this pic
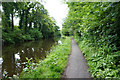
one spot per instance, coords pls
(13, 59)
(54, 63)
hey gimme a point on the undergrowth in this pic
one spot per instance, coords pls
(101, 64)
(53, 65)
(17, 36)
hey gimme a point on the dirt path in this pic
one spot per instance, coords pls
(76, 66)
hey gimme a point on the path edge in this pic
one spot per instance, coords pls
(63, 74)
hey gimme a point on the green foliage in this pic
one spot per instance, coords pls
(53, 65)
(101, 65)
(27, 38)
(12, 36)
(36, 34)
(96, 28)
(34, 22)
(15, 36)
(98, 23)
(57, 33)
(7, 38)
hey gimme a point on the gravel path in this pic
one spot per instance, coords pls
(76, 66)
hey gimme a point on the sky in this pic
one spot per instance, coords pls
(56, 9)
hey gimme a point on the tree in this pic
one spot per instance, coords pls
(95, 22)
(34, 22)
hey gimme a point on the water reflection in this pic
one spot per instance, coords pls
(17, 56)
(0, 67)
(13, 56)
(59, 42)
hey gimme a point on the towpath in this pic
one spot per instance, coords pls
(77, 66)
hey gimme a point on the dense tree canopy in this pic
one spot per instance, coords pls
(98, 23)
(0, 15)
(34, 22)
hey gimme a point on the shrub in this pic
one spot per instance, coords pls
(35, 34)
(12, 36)
(57, 33)
(8, 38)
(101, 65)
(18, 37)
(27, 38)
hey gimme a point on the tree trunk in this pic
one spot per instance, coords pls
(30, 25)
(40, 26)
(12, 16)
(26, 22)
(21, 19)
(35, 24)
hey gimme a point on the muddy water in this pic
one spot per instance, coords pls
(13, 56)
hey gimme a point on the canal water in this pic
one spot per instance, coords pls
(13, 56)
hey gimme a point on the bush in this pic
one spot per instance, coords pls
(27, 38)
(101, 65)
(18, 37)
(8, 38)
(57, 33)
(12, 36)
(35, 34)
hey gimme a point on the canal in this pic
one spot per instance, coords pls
(13, 58)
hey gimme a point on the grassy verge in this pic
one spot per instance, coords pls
(101, 65)
(53, 65)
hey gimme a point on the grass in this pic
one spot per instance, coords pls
(0, 26)
(101, 65)
(53, 65)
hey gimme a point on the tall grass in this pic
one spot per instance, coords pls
(53, 65)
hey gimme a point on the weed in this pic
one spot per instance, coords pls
(101, 65)
(53, 65)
